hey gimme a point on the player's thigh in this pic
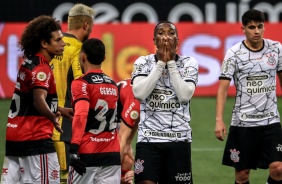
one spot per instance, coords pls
(242, 149)
(271, 145)
(176, 165)
(11, 170)
(148, 160)
(42, 168)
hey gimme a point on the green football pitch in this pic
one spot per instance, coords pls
(206, 149)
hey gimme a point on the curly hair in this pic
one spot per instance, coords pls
(38, 29)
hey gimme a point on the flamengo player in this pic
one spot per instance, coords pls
(30, 153)
(128, 114)
(94, 150)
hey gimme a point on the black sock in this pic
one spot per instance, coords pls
(272, 181)
(243, 183)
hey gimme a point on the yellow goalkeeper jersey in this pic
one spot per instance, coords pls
(66, 68)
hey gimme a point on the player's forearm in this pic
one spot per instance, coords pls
(79, 121)
(184, 90)
(220, 103)
(143, 86)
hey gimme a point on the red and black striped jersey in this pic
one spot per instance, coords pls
(28, 132)
(128, 106)
(98, 141)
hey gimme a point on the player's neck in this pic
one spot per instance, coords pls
(254, 46)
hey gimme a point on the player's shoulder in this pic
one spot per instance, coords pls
(186, 59)
(269, 42)
(147, 58)
(72, 43)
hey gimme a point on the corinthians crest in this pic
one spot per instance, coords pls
(271, 59)
(234, 156)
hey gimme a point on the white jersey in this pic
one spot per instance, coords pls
(162, 117)
(254, 74)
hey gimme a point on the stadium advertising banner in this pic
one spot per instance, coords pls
(126, 42)
(125, 11)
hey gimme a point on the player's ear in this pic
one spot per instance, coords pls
(154, 40)
(44, 44)
(243, 29)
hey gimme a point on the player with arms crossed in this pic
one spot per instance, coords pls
(94, 149)
(254, 139)
(164, 83)
(66, 68)
(30, 153)
(128, 114)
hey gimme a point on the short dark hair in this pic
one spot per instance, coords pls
(94, 50)
(252, 15)
(40, 28)
(156, 27)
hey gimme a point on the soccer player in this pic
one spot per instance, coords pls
(254, 139)
(128, 111)
(164, 83)
(66, 68)
(94, 149)
(30, 153)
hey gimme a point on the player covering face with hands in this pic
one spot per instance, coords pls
(164, 84)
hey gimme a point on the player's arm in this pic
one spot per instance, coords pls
(81, 109)
(184, 89)
(39, 102)
(76, 68)
(66, 112)
(220, 128)
(126, 135)
(280, 79)
(144, 85)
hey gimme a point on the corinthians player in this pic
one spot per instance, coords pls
(164, 83)
(254, 139)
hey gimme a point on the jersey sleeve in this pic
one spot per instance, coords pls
(228, 66)
(76, 68)
(191, 70)
(140, 67)
(79, 90)
(41, 77)
(279, 68)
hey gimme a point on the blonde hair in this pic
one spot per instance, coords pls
(78, 14)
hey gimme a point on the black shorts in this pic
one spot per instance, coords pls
(164, 163)
(253, 147)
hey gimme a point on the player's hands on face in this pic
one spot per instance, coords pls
(166, 49)
(78, 165)
(220, 130)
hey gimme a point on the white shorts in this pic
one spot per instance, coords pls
(97, 175)
(36, 169)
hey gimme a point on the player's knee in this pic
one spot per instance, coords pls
(275, 170)
(242, 176)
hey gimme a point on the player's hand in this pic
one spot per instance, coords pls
(161, 50)
(66, 112)
(128, 178)
(220, 130)
(78, 165)
(56, 123)
(170, 49)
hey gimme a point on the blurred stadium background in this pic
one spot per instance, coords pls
(206, 29)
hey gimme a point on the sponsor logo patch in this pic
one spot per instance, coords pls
(134, 115)
(41, 76)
